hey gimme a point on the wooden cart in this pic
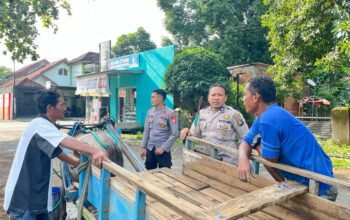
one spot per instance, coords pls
(205, 189)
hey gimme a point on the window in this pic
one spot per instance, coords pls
(62, 71)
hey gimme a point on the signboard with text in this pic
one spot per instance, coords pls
(124, 62)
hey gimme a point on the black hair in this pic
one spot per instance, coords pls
(47, 97)
(264, 86)
(160, 92)
(217, 85)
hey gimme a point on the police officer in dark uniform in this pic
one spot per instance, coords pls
(160, 133)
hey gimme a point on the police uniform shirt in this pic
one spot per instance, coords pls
(160, 129)
(221, 127)
(29, 183)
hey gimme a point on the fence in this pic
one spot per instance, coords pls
(319, 126)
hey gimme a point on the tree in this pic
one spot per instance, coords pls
(230, 28)
(4, 72)
(191, 74)
(18, 29)
(310, 40)
(132, 43)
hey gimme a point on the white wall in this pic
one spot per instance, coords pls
(60, 80)
(76, 71)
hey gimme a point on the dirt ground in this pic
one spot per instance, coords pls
(10, 133)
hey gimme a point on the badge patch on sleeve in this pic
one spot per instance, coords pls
(173, 118)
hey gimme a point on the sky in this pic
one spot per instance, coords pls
(93, 22)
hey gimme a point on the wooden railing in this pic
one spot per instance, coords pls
(314, 178)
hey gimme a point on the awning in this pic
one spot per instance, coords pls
(93, 85)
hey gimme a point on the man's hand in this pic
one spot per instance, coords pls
(244, 169)
(159, 151)
(98, 156)
(184, 133)
(143, 153)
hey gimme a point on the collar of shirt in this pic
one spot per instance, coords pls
(222, 109)
(45, 117)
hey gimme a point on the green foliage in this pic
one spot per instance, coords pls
(18, 29)
(132, 43)
(4, 72)
(191, 74)
(339, 153)
(165, 41)
(309, 40)
(232, 101)
(228, 27)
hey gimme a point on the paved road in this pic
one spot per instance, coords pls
(10, 133)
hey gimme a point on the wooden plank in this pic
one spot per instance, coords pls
(185, 192)
(305, 173)
(314, 186)
(153, 207)
(150, 177)
(275, 211)
(224, 168)
(316, 208)
(193, 183)
(183, 207)
(298, 171)
(215, 194)
(254, 201)
(191, 158)
(229, 190)
(200, 167)
(172, 182)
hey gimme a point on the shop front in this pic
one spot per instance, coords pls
(132, 79)
(123, 92)
(95, 88)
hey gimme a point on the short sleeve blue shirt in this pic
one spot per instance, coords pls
(284, 137)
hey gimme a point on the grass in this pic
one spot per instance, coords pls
(137, 136)
(339, 153)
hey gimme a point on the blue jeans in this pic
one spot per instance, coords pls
(29, 216)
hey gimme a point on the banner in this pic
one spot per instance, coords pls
(93, 85)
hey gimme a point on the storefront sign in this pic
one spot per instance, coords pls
(124, 62)
(93, 85)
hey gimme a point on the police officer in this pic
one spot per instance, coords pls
(219, 124)
(160, 133)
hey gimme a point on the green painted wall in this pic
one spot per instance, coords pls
(154, 63)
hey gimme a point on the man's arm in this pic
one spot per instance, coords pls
(96, 155)
(69, 158)
(244, 169)
(273, 172)
(145, 138)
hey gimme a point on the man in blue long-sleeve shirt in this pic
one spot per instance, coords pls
(284, 139)
(160, 133)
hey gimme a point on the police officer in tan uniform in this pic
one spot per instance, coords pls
(219, 124)
(160, 133)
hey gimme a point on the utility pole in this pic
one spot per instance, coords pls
(14, 91)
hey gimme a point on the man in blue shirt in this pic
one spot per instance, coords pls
(284, 139)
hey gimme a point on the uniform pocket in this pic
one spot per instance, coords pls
(162, 123)
(224, 130)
